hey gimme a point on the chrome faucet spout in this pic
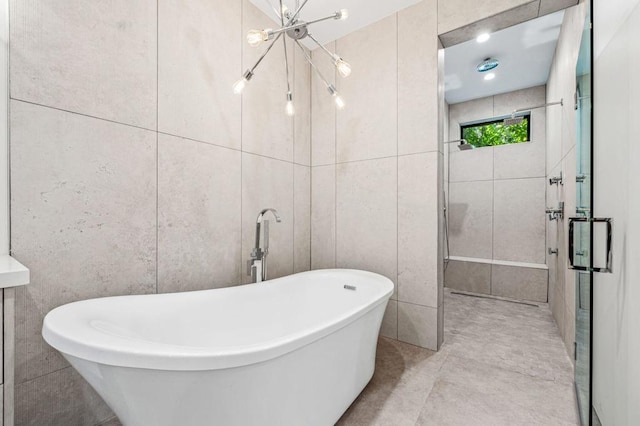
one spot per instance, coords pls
(258, 261)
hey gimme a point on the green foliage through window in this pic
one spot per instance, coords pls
(492, 133)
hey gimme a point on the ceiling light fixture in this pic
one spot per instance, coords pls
(483, 37)
(487, 65)
(489, 76)
(297, 29)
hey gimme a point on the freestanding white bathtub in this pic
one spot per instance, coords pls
(291, 351)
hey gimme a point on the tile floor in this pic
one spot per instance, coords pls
(502, 364)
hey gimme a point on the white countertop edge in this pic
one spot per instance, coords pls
(12, 272)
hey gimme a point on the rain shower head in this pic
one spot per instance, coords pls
(463, 145)
(513, 120)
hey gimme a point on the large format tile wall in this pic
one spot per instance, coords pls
(561, 158)
(375, 167)
(496, 203)
(135, 169)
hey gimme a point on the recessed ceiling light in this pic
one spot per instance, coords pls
(483, 37)
(490, 76)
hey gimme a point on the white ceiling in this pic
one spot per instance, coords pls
(361, 14)
(525, 52)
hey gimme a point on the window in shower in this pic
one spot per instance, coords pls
(494, 132)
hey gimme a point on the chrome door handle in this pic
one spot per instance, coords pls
(608, 267)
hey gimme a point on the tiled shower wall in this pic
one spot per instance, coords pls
(497, 201)
(561, 157)
(135, 169)
(375, 185)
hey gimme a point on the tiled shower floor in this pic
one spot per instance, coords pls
(502, 363)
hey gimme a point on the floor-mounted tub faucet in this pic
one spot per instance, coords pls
(257, 265)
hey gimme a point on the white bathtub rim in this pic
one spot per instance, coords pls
(163, 356)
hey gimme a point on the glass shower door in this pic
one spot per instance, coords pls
(581, 227)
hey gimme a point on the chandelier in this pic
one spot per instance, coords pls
(296, 29)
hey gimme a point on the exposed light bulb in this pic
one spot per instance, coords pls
(239, 85)
(343, 14)
(489, 76)
(285, 11)
(483, 37)
(256, 37)
(338, 100)
(290, 109)
(344, 69)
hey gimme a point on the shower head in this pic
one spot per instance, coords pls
(513, 120)
(462, 146)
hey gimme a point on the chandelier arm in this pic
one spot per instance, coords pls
(297, 12)
(286, 56)
(289, 27)
(331, 55)
(278, 14)
(313, 65)
(252, 69)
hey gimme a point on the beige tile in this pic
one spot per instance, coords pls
(506, 103)
(323, 117)
(302, 102)
(323, 217)
(302, 218)
(418, 325)
(470, 219)
(65, 54)
(466, 112)
(199, 59)
(268, 183)
(550, 6)
(83, 217)
(111, 422)
(367, 216)
(570, 333)
(389, 327)
(266, 128)
(521, 160)
(368, 126)
(404, 376)
(519, 231)
(417, 78)
(469, 392)
(59, 398)
(470, 165)
(519, 283)
(520, 338)
(454, 14)
(198, 215)
(468, 276)
(417, 229)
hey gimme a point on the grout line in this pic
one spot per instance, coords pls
(242, 50)
(397, 179)
(82, 115)
(42, 375)
(157, 143)
(335, 160)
